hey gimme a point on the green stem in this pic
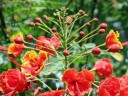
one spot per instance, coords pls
(89, 93)
(95, 85)
(44, 83)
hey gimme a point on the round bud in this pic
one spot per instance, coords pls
(103, 25)
(18, 40)
(54, 30)
(37, 24)
(88, 24)
(68, 23)
(86, 15)
(44, 16)
(65, 53)
(38, 19)
(81, 12)
(81, 33)
(95, 19)
(114, 48)
(47, 19)
(101, 31)
(29, 37)
(31, 24)
(96, 51)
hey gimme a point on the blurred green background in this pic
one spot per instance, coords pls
(15, 16)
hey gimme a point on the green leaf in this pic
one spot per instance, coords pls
(119, 57)
(90, 45)
(1, 59)
(53, 67)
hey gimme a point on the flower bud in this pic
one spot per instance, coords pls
(95, 19)
(102, 31)
(88, 24)
(54, 30)
(31, 24)
(29, 37)
(114, 48)
(81, 12)
(103, 68)
(65, 53)
(37, 24)
(103, 26)
(38, 19)
(81, 33)
(86, 15)
(47, 19)
(96, 51)
(18, 40)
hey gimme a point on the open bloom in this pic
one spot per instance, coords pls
(124, 86)
(103, 68)
(109, 87)
(78, 83)
(48, 44)
(53, 93)
(33, 63)
(16, 49)
(12, 81)
(111, 39)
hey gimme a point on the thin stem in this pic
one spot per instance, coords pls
(89, 93)
(44, 83)
(78, 30)
(95, 85)
(51, 79)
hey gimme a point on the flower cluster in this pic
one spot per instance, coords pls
(37, 54)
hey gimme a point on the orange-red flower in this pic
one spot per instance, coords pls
(48, 44)
(109, 87)
(112, 38)
(124, 86)
(16, 49)
(53, 93)
(33, 63)
(78, 83)
(103, 68)
(12, 81)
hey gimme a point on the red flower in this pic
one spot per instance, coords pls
(78, 83)
(103, 68)
(16, 49)
(48, 44)
(124, 86)
(109, 87)
(112, 38)
(33, 63)
(12, 81)
(53, 93)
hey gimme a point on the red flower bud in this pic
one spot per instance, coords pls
(103, 68)
(95, 19)
(102, 31)
(31, 24)
(44, 16)
(29, 37)
(65, 53)
(38, 19)
(37, 24)
(103, 26)
(68, 23)
(47, 19)
(96, 51)
(81, 12)
(81, 33)
(86, 15)
(54, 30)
(18, 40)
(88, 24)
(114, 48)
